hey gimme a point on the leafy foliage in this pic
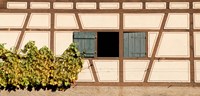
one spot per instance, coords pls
(33, 67)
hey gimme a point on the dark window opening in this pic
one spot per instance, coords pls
(108, 44)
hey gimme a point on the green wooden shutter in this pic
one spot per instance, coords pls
(85, 42)
(134, 44)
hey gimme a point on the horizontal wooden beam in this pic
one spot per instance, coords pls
(100, 10)
(105, 0)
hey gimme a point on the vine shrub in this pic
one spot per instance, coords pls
(38, 68)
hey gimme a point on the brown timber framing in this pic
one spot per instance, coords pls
(121, 44)
(52, 30)
(155, 48)
(23, 31)
(192, 75)
(121, 30)
(100, 10)
(94, 72)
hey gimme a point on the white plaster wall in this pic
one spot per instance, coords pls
(107, 70)
(85, 5)
(179, 5)
(134, 70)
(132, 5)
(99, 20)
(197, 70)
(170, 71)
(149, 20)
(10, 38)
(39, 20)
(10, 20)
(155, 5)
(177, 21)
(152, 37)
(197, 44)
(16, 5)
(174, 44)
(86, 73)
(196, 5)
(65, 21)
(109, 5)
(41, 38)
(62, 41)
(40, 5)
(63, 5)
(196, 20)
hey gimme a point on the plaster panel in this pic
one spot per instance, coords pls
(134, 70)
(63, 5)
(40, 5)
(86, 73)
(99, 21)
(39, 20)
(179, 5)
(10, 20)
(155, 5)
(177, 21)
(85, 5)
(170, 71)
(197, 44)
(174, 44)
(143, 21)
(132, 5)
(16, 5)
(109, 5)
(10, 38)
(65, 21)
(41, 38)
(152, 37)
(62, 41)
(107, 70)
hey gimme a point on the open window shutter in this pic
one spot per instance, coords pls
(85, 42)
(134, 44)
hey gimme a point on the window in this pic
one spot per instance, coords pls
(108, 44)
(85, 42)
(134, 44)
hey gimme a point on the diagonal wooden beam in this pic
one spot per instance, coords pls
(155, 48)
(93, 70)
(23, 31)
(78, 21)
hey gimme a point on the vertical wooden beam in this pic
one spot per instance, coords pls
(147, 43)
(167, 5)
(52, 29)
(23, 31)
(28, 4)
(143, 4)
(121, 44)
(192, 79)
(97, 2)
(156, 47)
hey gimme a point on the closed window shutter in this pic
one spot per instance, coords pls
(85, 42)
(134, 44)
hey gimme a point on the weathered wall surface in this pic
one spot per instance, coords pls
(112, 91)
